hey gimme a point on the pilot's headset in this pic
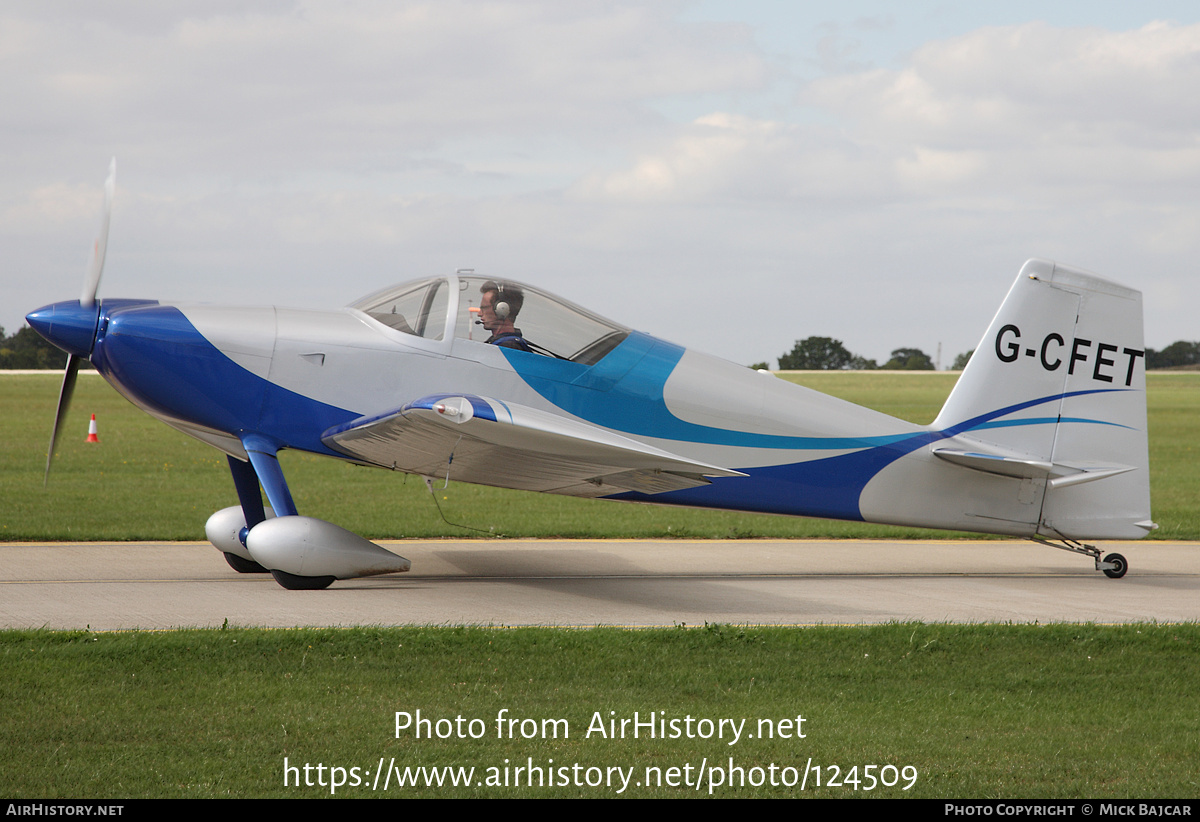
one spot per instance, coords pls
(500, 307)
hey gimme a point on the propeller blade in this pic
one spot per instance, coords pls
(87, 299)
(64, 402)
(91, 281)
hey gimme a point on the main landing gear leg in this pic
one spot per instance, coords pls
(1114, 566)
(301, 553)
(265, 465)
(246, 483)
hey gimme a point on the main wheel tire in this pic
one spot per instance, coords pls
(243, 565)
(296, 583)
(1121, 566)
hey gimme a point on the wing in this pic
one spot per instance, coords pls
(489, 442)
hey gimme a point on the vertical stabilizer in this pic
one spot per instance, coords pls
(1057, 389)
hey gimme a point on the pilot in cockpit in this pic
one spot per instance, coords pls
(498, 311)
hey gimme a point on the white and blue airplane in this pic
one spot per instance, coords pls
(488, 381)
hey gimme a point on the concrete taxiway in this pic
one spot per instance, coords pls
(603, 582)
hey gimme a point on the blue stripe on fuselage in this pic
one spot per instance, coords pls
(832, 487)
(156, 355)
(828, 487)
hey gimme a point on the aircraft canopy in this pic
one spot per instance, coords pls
(553, 326)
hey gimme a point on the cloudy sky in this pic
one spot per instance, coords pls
(728, 175)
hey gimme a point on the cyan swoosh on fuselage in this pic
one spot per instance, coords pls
(634, 405)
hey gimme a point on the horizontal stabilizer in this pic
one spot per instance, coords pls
(485, 441)
(996, 463)
(1059, 476)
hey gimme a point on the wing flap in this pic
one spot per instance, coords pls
(485, 441)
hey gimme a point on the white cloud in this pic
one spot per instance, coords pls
(1010, 110)
(1030, 86)
(307, 152)
(358, 87)
(979, 151)
(727, 157)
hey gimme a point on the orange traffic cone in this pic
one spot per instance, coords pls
(92, 430)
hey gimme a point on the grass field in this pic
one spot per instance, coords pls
(973, 711)
(979, 711)
(145, 481)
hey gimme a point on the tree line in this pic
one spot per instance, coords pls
(28, 349)
(828, 354)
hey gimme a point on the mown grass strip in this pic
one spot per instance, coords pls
(979, 711)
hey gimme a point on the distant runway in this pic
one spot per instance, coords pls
(601, 582)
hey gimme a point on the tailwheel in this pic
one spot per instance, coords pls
(298, 583)
(1119, 566)
(1114, 566)
(243, 565)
